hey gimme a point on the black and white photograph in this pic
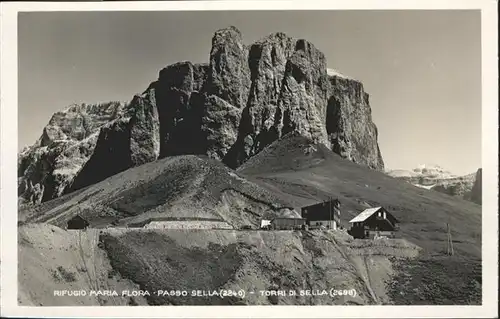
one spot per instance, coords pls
(265, 157)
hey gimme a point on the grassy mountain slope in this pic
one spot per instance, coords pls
(175, 187)
(304, 173)
(287, 175)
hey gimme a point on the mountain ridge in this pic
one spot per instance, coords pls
(231, 108)
(434, 177)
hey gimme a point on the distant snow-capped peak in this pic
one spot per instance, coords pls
(433, 170)
(428, 171)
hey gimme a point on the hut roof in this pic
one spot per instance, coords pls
(365, 214)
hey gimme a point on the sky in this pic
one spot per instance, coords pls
(422, 69)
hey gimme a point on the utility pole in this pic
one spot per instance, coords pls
(449, 247)
(331, 217)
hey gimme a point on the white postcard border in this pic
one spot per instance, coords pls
(8, 165)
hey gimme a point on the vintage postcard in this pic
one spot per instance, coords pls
(304, 158)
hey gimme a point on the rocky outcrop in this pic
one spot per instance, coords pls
(289, 93)
(131, 140)
(230, 109)
(458, 186)
(180, 108)
(46, 168)
(351, 131)
(477, 189)
(145, 129)
(468, 187)
(229, 76)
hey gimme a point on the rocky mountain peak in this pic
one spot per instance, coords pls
(433, 170)
(227, 32)
(231, 108)
(78, 121)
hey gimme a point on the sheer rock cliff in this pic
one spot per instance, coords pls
(232, 107)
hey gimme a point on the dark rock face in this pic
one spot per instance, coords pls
(230, 109)
(180, 108)
(220, 126)
(128, 141)
(351, 131)
(144, 129)
(111, 155)
(229, 76)
(289, 93)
